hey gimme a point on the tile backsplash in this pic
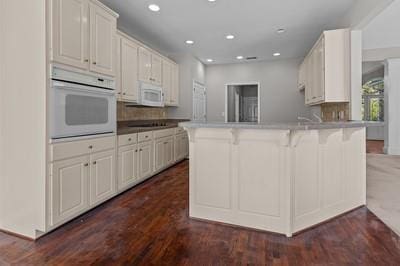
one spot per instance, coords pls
(127, 113)
(335, 112)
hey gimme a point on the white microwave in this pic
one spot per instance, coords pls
(81, 105)
(150, 95)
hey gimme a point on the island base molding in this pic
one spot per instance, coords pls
(281, 181)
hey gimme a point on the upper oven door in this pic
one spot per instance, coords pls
(78, 110)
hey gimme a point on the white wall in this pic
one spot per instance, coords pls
(22, 116)
(280, 99)
(189, 69)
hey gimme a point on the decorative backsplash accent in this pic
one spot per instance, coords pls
(335, 112)
(127, 113)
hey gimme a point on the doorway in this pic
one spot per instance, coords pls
(242, 102)
(199, 102)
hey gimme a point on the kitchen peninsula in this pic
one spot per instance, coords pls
(281, 178)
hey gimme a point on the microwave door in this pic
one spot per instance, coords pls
(80, 111)
(152, 98)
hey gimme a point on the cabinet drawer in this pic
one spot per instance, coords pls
(164, 133)
(145, 136)
(65, 150)
(127, 139)
(179, 130)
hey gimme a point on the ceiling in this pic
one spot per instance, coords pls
(383, 30)
(252, 22)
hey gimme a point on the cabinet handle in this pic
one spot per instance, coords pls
(165, 142)
(146, 137)
(94, 162)
(94, 63)
(86, 60)
(140, 150)
(135, 150)
(129, 139)
(91, 147)
(86, 165)
(123, 93)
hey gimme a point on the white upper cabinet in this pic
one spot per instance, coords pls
(167, 81)
(156, 69)
(103, 27)
(144, 65)
(129, 70)
(83, 35)
(150, 67)
(174, 94)
(70, 32)
(326, 70)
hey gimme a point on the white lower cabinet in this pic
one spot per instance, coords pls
(83, 174)
(163, 153)
(68, 189)
(181, 149)
(102, 176)
(127, 166)
(145, 161)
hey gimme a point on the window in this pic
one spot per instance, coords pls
(373, 100)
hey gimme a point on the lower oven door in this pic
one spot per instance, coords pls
(78, 110)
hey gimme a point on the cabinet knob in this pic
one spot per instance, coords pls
(123, 93)
(94, 162)
(86, 60)
(91, 147)
(146, 137)
(86, 164)
(140, 150)
(135, 150)
(94, 63)
(129, 139)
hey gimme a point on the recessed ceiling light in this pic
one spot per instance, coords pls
(230, 37)
(280, 30)
(210, 60)
(239, 57)
(189, 42)
(276, 54)
(154, 7)
(212, 0)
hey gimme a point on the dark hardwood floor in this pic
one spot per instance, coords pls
(375, 146)
(149, 225)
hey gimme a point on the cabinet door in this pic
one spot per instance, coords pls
(174, 95)
(319, 71)
(159, 154)
(167, 81)
(169, 151)
(103, 28)
(156, 69)
(144, 65)
(129, 70)
(70, 32)
(127, 166)
(145, 165)
(102, 176)
(185, 146)
(68, 189)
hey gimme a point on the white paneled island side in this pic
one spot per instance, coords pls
(281, 178)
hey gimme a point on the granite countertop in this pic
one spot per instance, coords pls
(282, 126)
(137, 126)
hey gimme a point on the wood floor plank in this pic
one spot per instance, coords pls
(149, 225)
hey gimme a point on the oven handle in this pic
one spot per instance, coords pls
(81, 88)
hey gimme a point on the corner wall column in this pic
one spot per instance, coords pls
(392, 106)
